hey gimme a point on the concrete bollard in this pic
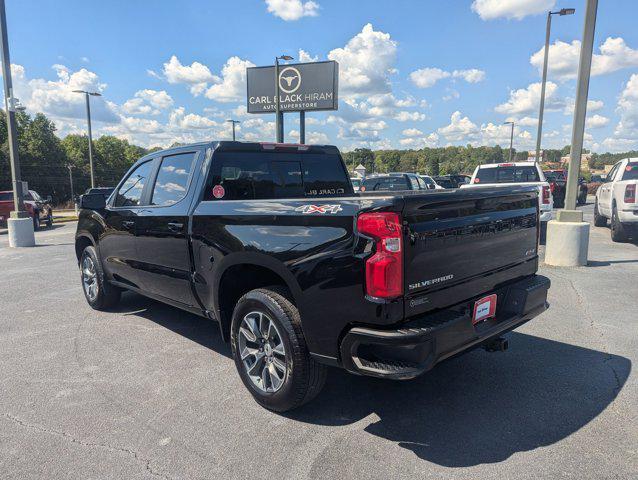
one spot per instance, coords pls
(567, 241)
(21, 232)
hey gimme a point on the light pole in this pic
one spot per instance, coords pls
(234, 122)
(88, 121)
(511, 137)
(562, 12)
(568, 236)
(71, 183)
(279, 120)
(19, 223)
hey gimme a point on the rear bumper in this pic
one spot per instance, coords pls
(418, 345)
(628, 215)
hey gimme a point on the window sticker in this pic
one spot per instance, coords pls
(218, 191)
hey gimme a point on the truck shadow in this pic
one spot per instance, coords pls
(479, 408)
(191, 326)
(475, 409)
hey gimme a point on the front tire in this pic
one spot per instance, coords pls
(99, 293)
(270, 351)
(599, 220)
(618, 231)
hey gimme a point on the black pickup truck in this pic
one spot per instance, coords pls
(270, 242)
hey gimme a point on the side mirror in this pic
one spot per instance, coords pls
(93, 201)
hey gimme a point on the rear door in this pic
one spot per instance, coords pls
(117, 245)
(604, 197)
(164, 265)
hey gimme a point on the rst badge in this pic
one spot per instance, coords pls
(318, 209)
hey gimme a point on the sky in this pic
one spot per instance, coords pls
(412, 73)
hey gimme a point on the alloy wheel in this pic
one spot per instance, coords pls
(262, 352)
(89, 278)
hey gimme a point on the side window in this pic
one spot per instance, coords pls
(612, 173)
(172, 179)
(130, 193)
(413, 182)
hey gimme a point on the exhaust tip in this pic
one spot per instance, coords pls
(499, 344)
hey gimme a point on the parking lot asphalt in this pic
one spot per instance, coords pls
(149, 391)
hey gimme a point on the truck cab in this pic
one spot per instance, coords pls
(616, 200)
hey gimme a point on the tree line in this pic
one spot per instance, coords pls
(438, 161)
(45, 158)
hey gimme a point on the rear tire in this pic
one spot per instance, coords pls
(599, 220)
(50, 219)
(618, 230)
(99, 293)
(36, 221)
(276, 366)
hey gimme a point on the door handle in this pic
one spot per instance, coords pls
(128, 224)
(175, 227)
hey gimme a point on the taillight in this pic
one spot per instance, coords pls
(630, 193)
(552, 187)
(384, 269)
(546, 194)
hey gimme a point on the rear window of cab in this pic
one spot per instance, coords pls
(507, 174)
(631, 171)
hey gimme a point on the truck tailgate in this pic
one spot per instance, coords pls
(457, 239)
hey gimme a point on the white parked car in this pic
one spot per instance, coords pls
(616, 200)
(516, 173)
(430, 183)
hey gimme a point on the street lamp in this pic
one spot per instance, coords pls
(279, 124)
(88, 120)
(234, 122)
(19, 224)
(562, 12)
(511, 137)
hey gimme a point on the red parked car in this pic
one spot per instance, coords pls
(39, 208)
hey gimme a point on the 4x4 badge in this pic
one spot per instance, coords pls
(320, 209)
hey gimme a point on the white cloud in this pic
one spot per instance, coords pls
(614, 55)
(197, 75)
(462, 130)
(518, 9)
(427, 77)
(625, 134)
(420, 141)
(289, 10)
(56, 98)
(412, 132)
(232, 86)
(316, 138)
(596, 121)
(525, 121)
(306, 57)
(405, 116)
(592, 106)
(460, 127)
(471, 75)
(179, 119)
(147, 102)
(451, 95)
(527, 100)
(365, 63)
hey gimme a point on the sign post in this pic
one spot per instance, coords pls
(300, 87)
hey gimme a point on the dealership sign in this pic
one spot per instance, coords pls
(302, 86)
